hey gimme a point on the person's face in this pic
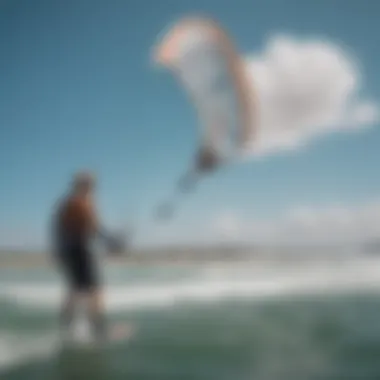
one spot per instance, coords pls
(87, 188)
(90, 187)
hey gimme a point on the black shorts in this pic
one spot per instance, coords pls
(79, 266)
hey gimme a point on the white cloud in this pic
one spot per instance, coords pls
(313, 225)
(305, 88)
(365, 113)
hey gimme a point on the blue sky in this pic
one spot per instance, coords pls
(78, 89)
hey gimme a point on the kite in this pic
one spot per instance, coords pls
(200, 54)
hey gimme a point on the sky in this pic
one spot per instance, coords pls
(78, 89)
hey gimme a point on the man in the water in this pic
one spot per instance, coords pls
(75, 226)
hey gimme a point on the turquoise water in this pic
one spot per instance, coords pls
(315, 322)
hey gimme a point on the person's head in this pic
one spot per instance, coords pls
(83, 183)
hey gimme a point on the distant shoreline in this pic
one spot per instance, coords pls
(196, 257)
(35, 261)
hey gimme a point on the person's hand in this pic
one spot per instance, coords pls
(116, 246)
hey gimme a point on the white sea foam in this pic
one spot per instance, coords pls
(214, 284)
(211, 284)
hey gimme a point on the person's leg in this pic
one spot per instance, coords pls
(67, 309)
(96, 313)
(67, 266)
(89, 284)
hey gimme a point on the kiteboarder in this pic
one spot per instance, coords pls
(75, 224)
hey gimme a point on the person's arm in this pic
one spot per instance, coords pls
(91, 217)
(94, 226)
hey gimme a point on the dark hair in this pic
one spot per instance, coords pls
(83, 180)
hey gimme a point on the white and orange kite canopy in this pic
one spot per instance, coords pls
(204, 59)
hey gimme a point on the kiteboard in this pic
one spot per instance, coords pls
(121, 332)
(116, 333)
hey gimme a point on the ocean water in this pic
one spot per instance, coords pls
(264, 321)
